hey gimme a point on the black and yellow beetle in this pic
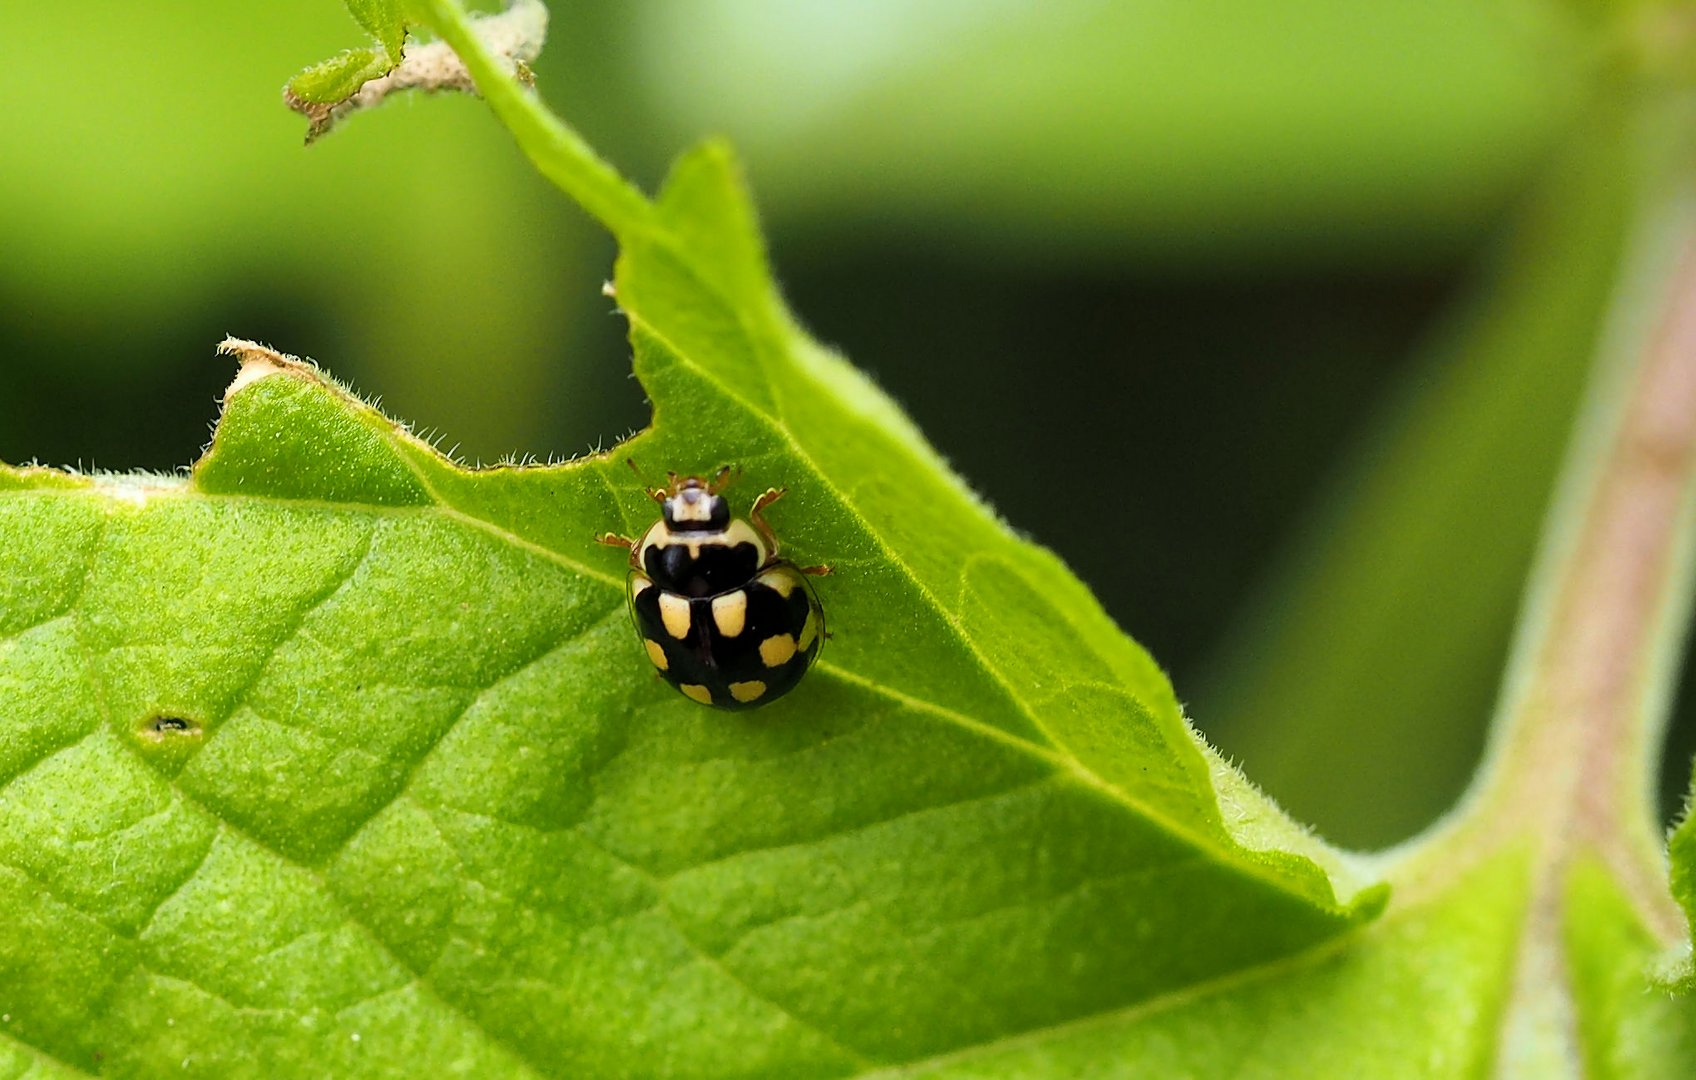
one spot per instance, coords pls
(721, 616)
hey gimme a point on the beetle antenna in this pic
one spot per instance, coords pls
(726, 475)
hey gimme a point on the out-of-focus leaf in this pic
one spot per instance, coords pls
(331, 90)
(1630, 1030)
(384, 20)
(339, 77)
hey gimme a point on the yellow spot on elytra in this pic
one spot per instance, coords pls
(639, 585)
(777, 650)
(699, 693)
(781, 580)
(656, 654)
(730, 612)
(747, 691)
(674, 612)
(809, 631)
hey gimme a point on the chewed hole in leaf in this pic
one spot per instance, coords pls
(168, 739)
(169, 728)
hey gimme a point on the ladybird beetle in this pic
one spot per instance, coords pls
(719, 614)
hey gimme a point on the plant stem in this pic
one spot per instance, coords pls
(1569, 763)
(557, 151)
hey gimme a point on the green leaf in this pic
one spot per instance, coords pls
(340, 77)
(1630, 1031)
(1417, 994)
(384, 20)
(326, 92)
(337, 739)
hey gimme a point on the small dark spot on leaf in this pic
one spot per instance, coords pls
(168, 726)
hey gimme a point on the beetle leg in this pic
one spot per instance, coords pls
(615, 540)
(822, 570)
(757, 517)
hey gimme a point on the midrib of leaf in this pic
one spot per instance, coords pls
(1404, 907)
(1139, 1012)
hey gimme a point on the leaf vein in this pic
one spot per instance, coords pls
(834, 835)
(406, 780)
(44, 1053)
(193, 872)
(707, 959)
(1136, 1011)
(350, 918)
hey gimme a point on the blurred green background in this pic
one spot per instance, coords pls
(1270, 318)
